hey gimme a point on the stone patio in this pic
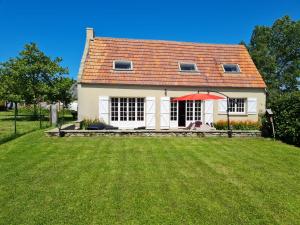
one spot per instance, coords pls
(70, 131)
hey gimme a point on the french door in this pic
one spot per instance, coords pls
(127, 112)
(183, 113)
(193, 111)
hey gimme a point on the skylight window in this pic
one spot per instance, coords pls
(122, 65)
(231, 68)
(188, 67)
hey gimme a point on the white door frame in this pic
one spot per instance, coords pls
(127, 124)
(187, 122)
(174, 123)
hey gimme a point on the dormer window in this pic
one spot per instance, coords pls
(122, 65)
(231, 68)
(188, 67)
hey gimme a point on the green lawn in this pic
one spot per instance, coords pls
(119, 180)
(24, 125)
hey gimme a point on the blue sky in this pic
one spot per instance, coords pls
(58, 27)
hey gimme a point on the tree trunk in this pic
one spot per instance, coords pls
(35, 111)
(15, 117)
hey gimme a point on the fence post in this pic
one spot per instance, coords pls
(15, 122)
(53, 115)
(40, 116)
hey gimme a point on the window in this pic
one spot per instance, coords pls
(197, 110)
(131, 102)
(122, 65)
(140, 109)
(189, 111)
(231, 68)
(236, 105)
(114, 109)
(193, 110)
(127, 109)
(123, 109)
(173, 111)
(188, 67)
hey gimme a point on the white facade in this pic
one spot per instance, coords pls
(134, 112)
(159, 111)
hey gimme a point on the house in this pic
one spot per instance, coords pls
(130, 83)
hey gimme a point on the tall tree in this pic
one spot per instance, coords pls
(276, 53)
(11, 84)
(30, 76)
(61, 90)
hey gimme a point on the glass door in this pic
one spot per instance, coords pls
(193, 111)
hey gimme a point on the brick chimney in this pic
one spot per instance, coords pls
(89, 37)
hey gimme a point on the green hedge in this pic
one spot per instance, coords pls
(286, 109)
(237, 125)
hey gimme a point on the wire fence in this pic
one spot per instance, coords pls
(12, 126)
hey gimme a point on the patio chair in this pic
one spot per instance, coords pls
(206, 127)
(198, 124)
(191, 126)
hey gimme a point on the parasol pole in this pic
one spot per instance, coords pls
(229, 132)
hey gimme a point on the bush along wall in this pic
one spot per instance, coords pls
(238, 125)
(286, 109)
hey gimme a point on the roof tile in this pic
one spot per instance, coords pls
(156, 63)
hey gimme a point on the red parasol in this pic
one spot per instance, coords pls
(198, 97)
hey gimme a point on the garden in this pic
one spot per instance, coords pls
(148, 180)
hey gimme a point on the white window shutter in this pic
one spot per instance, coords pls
(164, 112)
(174, 123)
(103, 109)
(222, 106)
(150, 113)
(252, 105)
(208, 111)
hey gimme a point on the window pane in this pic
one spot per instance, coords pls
(123, 65)
(187, 67)
(114, 109)
(236, 105)
(131, 109)
(189, 110)
(123, 109)
(173, 111)
(140, 109)
(231, 106)
(240, 105)
(231, 68)
(198, 110)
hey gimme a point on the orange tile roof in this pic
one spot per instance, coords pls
(156, 63)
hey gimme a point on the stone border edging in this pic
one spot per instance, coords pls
(148, 133)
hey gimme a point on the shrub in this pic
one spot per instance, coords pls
(29, 110)
(238, 125)
(286, 109)
(87, 122)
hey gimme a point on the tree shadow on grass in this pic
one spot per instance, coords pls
(11, 137)
(14, 136)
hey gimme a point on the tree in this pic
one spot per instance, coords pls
(275, 51)
(61, 90)
(11, 84)
(286, 108)
(30, 76)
